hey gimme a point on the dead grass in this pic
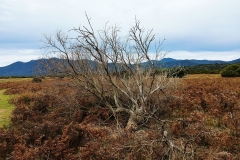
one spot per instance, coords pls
(202, 76)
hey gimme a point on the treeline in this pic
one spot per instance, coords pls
(225, 69)
(206, 68)
(8, 77)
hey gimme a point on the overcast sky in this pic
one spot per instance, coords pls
(194, 29)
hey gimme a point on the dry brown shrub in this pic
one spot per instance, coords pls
(223, 140)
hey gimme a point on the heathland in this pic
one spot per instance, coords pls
(53, 119)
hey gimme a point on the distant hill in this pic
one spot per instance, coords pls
(30, 68)
(191, 62)
(19, 69)
(235, 61)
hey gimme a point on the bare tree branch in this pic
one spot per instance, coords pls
(110, 66)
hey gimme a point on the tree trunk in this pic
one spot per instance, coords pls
(133, 121)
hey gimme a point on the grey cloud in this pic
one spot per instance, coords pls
(187, 25)
(10, 56)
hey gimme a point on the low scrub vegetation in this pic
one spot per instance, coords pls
(56, 120)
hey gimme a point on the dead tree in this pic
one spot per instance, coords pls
(92, 57)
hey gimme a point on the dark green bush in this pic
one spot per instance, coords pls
(177, 72)
(238, 70)
(37, 80)
(233, 67)
(231, 71)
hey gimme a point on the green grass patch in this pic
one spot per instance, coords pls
(5, 109)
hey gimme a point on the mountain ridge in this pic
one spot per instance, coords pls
(29, 68)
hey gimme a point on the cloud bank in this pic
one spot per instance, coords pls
(190, 27)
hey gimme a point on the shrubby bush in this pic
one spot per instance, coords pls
(177, 72)
(238, 70)
(37, 80)
(231, 71)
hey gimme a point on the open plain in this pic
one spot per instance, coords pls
(53, 119)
